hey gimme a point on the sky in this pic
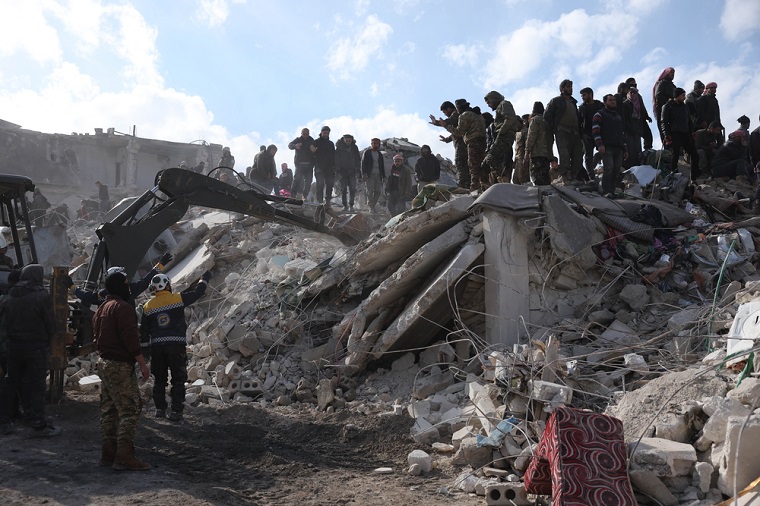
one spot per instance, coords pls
(243, 73)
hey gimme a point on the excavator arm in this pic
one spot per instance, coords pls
(125, 239)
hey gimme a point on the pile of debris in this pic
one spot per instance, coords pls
(482, 317)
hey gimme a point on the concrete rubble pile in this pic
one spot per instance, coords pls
(479, 317)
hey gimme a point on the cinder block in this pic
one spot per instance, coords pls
(507, 494)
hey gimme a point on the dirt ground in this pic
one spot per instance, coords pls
(235, 455)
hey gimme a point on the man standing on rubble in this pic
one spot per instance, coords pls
(117, 338)
(164, 327)
(564, 123)
(373, 172)
(460, 149)
(398, 185)
(427, 169)
(324, 165)
(609, 136)
(304, 160)
(589, 106)
(676, 130)
(347, 161)
(498, 160)
(472, 128)
(264, 169)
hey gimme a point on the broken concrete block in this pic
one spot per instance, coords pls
(635, 363)
(466, 482)
(702, 476)
(463, 433)
(551, 393)
(635, 296)
(602, 317)
(649, 484)
(525, 457)
(469, 453)
(325, 394)
(684, 319)
(507, 494)
(747, 392)
(719, 410)
(672, 427)
(740, 460)
(428, 385)
(422, 459)
(620, 333)
(424, 432)
(403, 363)
(662, 456)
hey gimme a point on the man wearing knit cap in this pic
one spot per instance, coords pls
(676, 131)
(538, 147)
(708, 108)
(373, 172)
(347, 162)
(117, 338)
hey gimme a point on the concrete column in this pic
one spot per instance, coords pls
(506, 271)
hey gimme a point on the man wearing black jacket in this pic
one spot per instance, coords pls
(561, 117)
(676, 131)
(324, 165)
(586, 111)
(304, 160)
(29, 324)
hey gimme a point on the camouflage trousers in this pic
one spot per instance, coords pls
(522, 170)
(120, 402)
(499, 159)
(460, 161)
(476, 152)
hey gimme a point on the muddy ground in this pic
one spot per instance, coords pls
(234, 455)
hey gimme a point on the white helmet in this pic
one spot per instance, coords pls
(159, 282)
(116, 268)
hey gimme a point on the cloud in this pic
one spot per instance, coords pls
(212, 12)
(566, 42)
(739, 19)
(24, 29)
(461, 54)
(351, 55)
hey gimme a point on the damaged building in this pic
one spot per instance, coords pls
(499, 323)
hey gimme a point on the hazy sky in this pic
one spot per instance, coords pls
(244, 73)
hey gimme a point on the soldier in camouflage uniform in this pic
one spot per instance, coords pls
(118, 342)
(460, 149)
(472, 128)
(538, 147)
(499, 157)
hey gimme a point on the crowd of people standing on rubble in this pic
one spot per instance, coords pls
(595, 141)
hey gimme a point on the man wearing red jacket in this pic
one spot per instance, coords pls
(118, 342)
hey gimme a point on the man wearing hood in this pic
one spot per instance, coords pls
(662, 92)
(498, 160)
(427, 169)
(116, 336)
(29, 325)
(347, 162)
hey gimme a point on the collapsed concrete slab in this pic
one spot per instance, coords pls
(409, 277)
(410, 235)
(423, 317)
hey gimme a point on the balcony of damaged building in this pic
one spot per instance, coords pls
(469, 311)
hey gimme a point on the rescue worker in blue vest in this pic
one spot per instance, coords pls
(163, 330)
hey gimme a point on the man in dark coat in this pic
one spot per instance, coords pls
(347, 162)
(589, 106)
(324, 165)
(29, 325)
(304, 160)
(561, 117)
(427, 169)
(676, 131)
(609, 136)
